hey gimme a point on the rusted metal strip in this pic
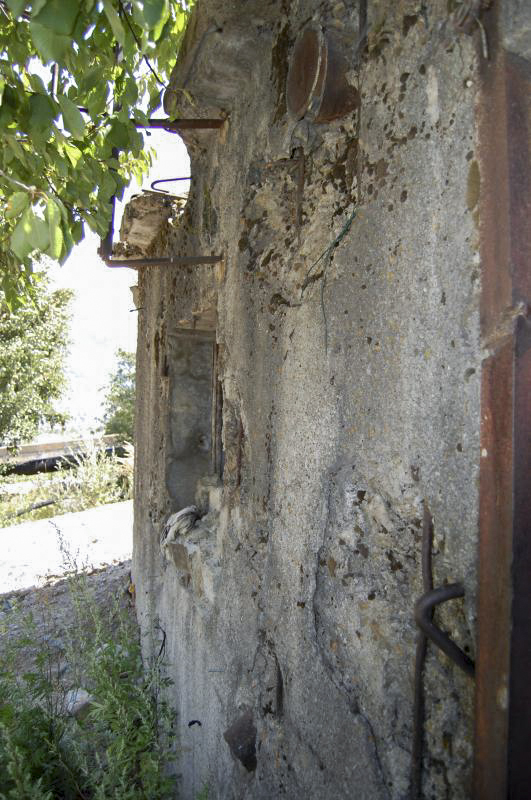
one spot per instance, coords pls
(176, 125)
(179, 261)
(502, 766)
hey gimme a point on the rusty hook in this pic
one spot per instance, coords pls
(167, 180)
(424, 618)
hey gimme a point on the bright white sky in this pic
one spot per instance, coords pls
(102, 319)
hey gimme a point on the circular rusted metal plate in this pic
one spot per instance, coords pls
(304, 69)
(317, 85)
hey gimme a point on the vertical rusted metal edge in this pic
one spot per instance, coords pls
(502, 767)
(518, 78)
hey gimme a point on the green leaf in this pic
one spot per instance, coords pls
(36, 6)
(97, 100)
(39, 233)
(118, 135)
(16, 205)
(42, 111)
(153, 11)
(77, 231)
(17, 149)
(31, 233)
(72, 118)
(107, 186)
(21, 243)
(114, 21)
(37, 84)
(58, 15)
(91, 79)
(50, 45)
(73, 154)
(68, 245)
(16, 7)
(53, 217)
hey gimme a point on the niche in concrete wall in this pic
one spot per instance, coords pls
(194, 414)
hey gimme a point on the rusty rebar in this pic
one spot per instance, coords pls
(181, 261)
(176, 125)
(424, 618)
(167, 180)
(424, 610)
(420, 658)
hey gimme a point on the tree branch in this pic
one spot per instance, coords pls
(135, 37)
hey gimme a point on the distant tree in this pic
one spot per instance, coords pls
(120, 398)
(33, 345)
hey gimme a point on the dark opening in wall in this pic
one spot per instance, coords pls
(194, 413)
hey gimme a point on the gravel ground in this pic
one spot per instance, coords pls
(36, 559)
(57, 620)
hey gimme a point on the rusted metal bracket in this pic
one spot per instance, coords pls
(106, 245)
(424, 618)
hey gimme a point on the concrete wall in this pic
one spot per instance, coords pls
(350, 390)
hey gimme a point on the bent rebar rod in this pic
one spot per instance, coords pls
(424, 618)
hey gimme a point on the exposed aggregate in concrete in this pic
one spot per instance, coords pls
(350, 398)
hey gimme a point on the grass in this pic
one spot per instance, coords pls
(95, 479)
(120, 747)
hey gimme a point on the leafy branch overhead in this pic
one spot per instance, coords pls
(75, 76)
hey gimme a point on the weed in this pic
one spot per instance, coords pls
(118, 744)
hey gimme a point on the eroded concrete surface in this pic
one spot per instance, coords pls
(350, 389)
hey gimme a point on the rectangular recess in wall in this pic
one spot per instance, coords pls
(195, 405)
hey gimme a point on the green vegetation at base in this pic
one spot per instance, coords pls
(119, 746)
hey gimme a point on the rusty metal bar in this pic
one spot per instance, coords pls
(502, 766)
(167, 180)
(176, 125)
(181, 261)
(420, 659)
(424, 609)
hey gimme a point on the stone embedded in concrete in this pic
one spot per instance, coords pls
(241, 738)
(77, 703)
(144, 227)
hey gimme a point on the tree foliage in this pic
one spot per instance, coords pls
(120, 398)
(34, 343)
(75, 77)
